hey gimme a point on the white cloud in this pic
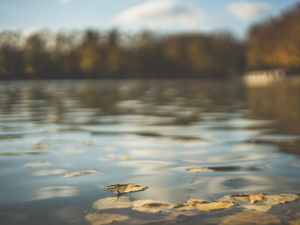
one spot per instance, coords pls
(64, 1)
(164, 15)
(247, 10)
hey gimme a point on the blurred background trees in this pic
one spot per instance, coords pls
(90, 54)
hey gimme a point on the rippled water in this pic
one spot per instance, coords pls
(144, 132)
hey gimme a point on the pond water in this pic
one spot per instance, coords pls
(149, 133)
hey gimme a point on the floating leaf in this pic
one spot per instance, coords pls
(199, 170)
(152, 206)
(48, 172)
(213, 206)
(259, 208)
(205, 206)
(281, 198)
(252, 198)
(105, 218)
(125, 188)
(112, 203)
(80, 173)
(37, 164)
(250, 217)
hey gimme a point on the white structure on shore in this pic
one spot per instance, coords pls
(263, 77)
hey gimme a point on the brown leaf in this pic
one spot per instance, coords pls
(105, 218)
(125, 188)
(250, 217)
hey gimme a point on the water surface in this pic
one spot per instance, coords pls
(144, 132)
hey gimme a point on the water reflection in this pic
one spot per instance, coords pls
(144, 132)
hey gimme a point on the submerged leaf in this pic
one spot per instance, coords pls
(80, 173)
(199, 170)
(105, 218)
(125, 188)
(250, 217)
(152, 206)
(48, 172)
(112, 203)
(37, 164)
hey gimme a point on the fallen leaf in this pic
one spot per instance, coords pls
(281, 198)
(112, 203)
(250, 217)
(259, 208)
(37, 164)
(105, 218)
(199, 170)
(80, 173)
(152, 206)
(213, 206)
(252, 198)
(48, 172)
(125, 188)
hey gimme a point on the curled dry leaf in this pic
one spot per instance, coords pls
(250, 217)
(152, 206)
(105, 218)
(259, 208)
(80, 173)
(37, 164)
(48, 172)
(112, 203)
(252, 198)
(199, 170)
(281, 198)
(125, 188)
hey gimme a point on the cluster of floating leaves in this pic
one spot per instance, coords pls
(254, 206)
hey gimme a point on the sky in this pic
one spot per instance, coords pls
(133, 15)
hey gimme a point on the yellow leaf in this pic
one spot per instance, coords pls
(281, 198)
(199, 170)
(213, 206)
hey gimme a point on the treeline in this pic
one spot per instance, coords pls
(91, 54)
(275, 43)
